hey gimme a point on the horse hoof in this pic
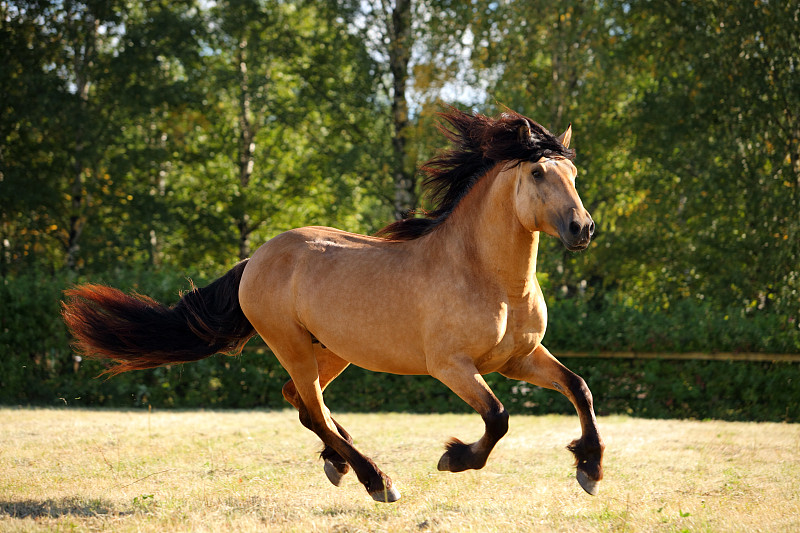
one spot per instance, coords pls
(444, 464)
(334, 476)
(386, 496)
(589, 485)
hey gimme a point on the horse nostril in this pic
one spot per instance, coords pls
(591, 228)
(574, 228)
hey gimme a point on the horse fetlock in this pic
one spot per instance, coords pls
(459, 457)
(586, 451)
(588, 459)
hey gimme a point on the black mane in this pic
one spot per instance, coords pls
(478, 143)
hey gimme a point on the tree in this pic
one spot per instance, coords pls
(561, 64)
(30, 143)
(186, 131)
(416, 44)
(293, 89)
(89, 83)
(719, 133)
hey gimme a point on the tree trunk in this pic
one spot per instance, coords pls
(400, 43)
(246, 151)
(79, 200)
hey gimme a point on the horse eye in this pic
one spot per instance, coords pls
(537, 174)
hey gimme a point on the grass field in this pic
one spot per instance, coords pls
(67, 469)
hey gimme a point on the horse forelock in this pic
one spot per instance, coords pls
(478, 143)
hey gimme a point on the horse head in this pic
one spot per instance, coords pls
(546, 198)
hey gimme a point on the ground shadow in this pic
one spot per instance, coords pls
(57, 508)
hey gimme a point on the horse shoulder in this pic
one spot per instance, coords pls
(528, 320)
(524, 327)
(463, 315)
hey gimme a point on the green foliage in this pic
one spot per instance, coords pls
(718, 152)
(144, 141)
(127, 129)
(37, 366)
(687, 326)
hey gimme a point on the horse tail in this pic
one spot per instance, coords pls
(136, 332)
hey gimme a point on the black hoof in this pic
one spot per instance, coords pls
(589, 485)
(334, 475)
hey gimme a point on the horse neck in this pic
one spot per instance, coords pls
(484, 227)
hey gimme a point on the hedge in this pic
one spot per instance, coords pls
(37, 366)
(653, 388)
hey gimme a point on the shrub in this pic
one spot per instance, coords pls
(37, 366)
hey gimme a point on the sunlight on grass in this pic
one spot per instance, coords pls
(257, 470)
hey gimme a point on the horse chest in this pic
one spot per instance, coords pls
(523, 330)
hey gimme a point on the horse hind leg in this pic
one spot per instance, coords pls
(296, 355)
(463, 379)
(335, 467)
(339, 449)
(329, 367)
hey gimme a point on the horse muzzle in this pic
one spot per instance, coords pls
(577, 234)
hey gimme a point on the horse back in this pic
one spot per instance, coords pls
(389, 306)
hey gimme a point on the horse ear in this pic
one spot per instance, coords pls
(565, 137)
(524, 133)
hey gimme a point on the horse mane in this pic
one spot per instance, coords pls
(478, 143)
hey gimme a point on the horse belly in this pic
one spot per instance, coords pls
(367, 335)
(364, 314)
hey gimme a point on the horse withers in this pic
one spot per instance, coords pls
(452, 294)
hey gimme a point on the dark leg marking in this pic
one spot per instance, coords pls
(588, 449)
(460, 456)
(336, 467)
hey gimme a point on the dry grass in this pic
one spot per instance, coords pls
(65, 469)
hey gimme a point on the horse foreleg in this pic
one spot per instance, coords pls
(329, 367)
(540, 368)
(461, 376)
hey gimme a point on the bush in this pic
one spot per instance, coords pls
(37, 366)
(653, 388)
(688, 326)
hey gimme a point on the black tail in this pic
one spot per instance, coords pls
(137, 332)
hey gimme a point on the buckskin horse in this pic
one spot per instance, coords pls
(452, 294)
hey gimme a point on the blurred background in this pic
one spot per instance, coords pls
(143, 142)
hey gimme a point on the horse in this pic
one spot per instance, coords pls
(451, 293)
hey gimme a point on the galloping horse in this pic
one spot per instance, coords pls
(452, 294)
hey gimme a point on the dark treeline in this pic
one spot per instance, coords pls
(145, 141)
